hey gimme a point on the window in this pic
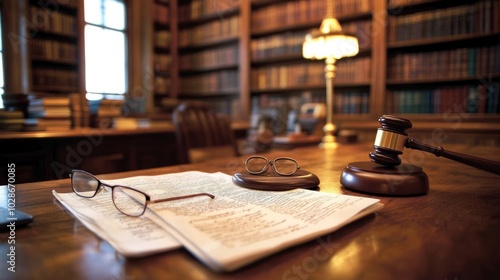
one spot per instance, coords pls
(105, 48)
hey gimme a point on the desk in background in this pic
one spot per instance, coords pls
(450, 233)
(49, 155)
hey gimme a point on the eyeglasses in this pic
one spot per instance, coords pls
(127, 200)
(283, 166)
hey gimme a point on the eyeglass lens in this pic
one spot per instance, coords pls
(259, 165)
(129, 201)
(84, 184)
(285, 166)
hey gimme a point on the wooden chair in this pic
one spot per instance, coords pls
(201, 133)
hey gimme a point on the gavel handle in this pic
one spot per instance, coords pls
(481, 163)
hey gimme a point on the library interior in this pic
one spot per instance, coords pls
(380, 119)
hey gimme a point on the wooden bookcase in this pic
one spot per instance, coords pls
(444, 59)
(281, 77)
(263, 60)
(245, 55)
(208, 53)
(54, 46)
(162, 57)
(272, 72)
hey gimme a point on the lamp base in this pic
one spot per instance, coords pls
(369, 177)
(328, 142)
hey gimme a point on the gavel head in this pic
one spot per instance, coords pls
(390, 140)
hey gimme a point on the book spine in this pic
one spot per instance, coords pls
(293, 12)
(480, 17)
(212, 32)
(453, 63)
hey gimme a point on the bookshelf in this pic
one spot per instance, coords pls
(162, 55)
(208, 52)
(281, 77)
(245, 55)
(54, 46)
(262, 65)
(444, 59)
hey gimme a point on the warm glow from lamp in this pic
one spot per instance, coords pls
(329, 43)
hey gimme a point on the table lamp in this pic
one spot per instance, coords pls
(329, 43)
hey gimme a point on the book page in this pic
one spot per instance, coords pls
(130, 236)
(242, 225)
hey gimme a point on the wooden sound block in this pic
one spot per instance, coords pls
(273, 182)
(369, 177)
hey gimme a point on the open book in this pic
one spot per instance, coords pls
(237, 227)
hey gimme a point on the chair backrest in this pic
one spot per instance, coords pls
(199, 128)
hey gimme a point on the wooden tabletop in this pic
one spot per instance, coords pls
(453, 232)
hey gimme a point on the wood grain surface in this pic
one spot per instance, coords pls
(453, 232)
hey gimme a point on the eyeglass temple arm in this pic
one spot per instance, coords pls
(182, 197)
(170, 198)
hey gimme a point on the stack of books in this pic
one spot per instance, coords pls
(105, 113)
(11, 120)
(51, 113)
(80, 114)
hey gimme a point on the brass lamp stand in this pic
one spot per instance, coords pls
(329, 140)
(329, 43)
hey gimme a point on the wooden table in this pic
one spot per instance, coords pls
(453, 232)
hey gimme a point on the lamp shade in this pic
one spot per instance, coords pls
(329, 42)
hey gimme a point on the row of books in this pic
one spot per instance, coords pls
(11, 120)
(161, 13)
(104, 112)
(290, 43)
(226, 81)
(53, 50)
(303, 11)
(455, 63)
(349, 7)
(56, 112)
(50, 113)
(215, 31)
(52, 21)
(196, 9)
(351, 102)
(54, 77)
(483, 99)
(287, 76)
(223, 56)
(355, 70)
(362, 29)
(162, 62)
(477, 18)
(162, 38)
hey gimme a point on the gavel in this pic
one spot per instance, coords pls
(392, 138)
